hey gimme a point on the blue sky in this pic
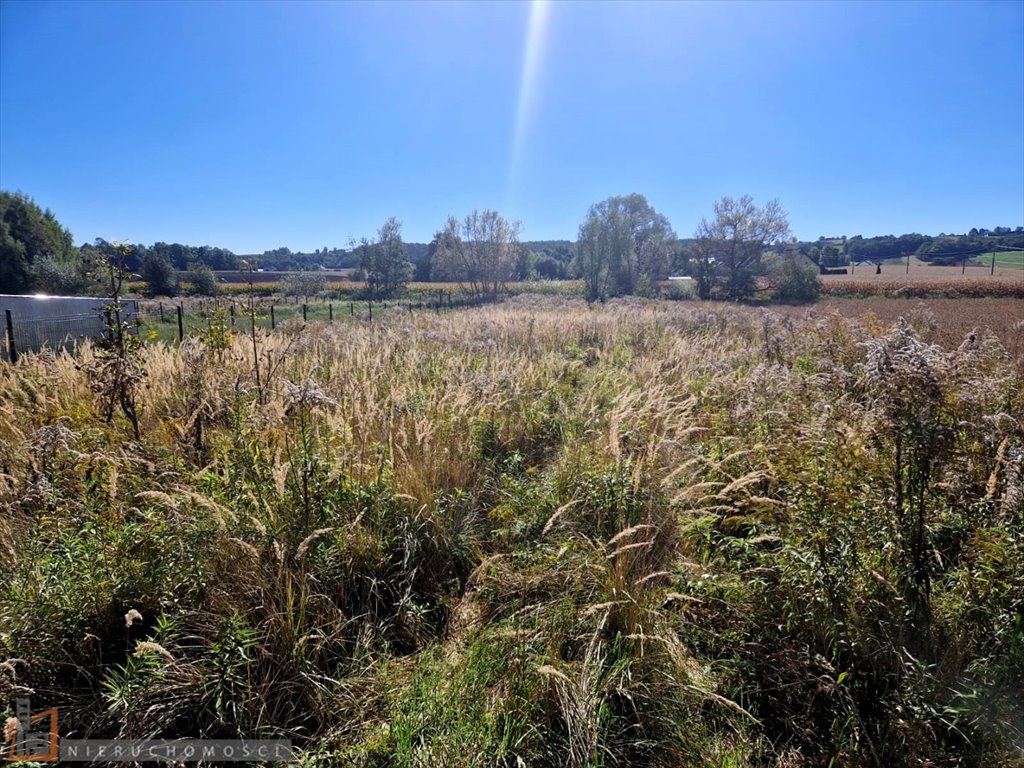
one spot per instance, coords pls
(256, 125)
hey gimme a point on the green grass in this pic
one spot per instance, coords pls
(196, 320)
(1004, 259)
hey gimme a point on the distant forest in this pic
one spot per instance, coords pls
(552, 259)
(37, 252)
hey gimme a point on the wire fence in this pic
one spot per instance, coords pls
(167, 321)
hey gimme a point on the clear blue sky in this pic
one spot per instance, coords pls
(256, 125)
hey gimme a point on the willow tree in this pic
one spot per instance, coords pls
(624, 246)
(730, 247)
(385, 261)
(480, 252)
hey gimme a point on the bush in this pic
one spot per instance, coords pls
(795, 281)
(57, 278)
(304, 284)
(678, 290)
(159, 274)
(203, 280)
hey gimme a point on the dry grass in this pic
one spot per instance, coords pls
(536, 533)
(938, 320)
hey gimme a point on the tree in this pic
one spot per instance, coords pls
(623, 245)
(481, 252)
(385, 262)
(159, 274)
(304, 284)
(729, 248)
(830, 257)
(27, 234)
(793, 279)
(15, 267)
(48, 275)
(548, 268)
(202, 278)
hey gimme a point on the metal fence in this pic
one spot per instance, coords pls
(32, 323)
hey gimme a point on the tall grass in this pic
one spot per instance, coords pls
(529, 534)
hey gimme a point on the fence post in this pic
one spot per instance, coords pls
(12, 353)
(273, 324)
(232, 314)
(369, 309)
(303, 312)
(330, 312)
(161, 312)
(181, 324)
(352, 308)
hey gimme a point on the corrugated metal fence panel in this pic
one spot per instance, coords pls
(54, 321)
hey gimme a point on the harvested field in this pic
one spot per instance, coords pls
(920, 270)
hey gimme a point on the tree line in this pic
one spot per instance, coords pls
(941, 250)
(623, 246)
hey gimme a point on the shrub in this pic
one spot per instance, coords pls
(202, 279)
(794, 281)
(304, 284)
(159, 274)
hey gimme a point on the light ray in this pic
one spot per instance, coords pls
(528, 82)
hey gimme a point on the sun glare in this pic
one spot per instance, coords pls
(532, 60)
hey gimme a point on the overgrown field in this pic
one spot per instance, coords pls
(531, 534)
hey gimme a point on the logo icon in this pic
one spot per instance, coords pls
(31, 737)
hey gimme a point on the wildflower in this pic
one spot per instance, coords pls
(307, 394)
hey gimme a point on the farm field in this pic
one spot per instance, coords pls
(892, 272)
(1004, 259)
(234, 276)
(533, 533)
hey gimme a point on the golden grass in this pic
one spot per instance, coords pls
(538, 531)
